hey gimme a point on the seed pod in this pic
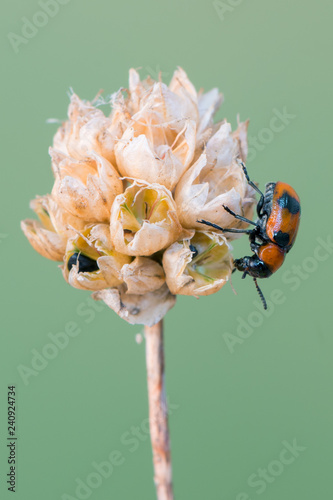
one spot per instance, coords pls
(199, 265)
(86, 188)
(49, 235)
(144, 220)
(91, 263)
(147, 309)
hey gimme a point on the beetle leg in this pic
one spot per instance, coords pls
(254, 237)
(255, 247)
(252, 184)
(245, 231)
(239, 217)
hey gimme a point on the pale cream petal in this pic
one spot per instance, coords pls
(61, 137)
(49, 235)
(87, 129)
(241, 136)
(94, 136)
(100, 237)
(147, 309)
(143, 275)
(144, 157)
(111, 267)
(87, 188)
(182, 86)
(55, 218)
(137, 90)
(180, 82)
(134, 156)
(175, 260)
(47, 243)
(222, 149)
(134, 80)
(166, 106)
(208, 104)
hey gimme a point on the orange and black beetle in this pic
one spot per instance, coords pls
(275, 230)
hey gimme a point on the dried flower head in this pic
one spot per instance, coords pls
(129, 189)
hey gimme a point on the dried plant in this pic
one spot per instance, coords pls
(122, 215)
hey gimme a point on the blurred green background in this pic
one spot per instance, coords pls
(237, 393)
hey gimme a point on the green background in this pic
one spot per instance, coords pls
(231, 407)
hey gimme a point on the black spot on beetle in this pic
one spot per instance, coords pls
(281, 238)
(289, 202)
(86, 265)
(194, 251)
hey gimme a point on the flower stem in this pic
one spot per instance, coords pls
(158, 412)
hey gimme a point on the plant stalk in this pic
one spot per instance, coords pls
(158, 412)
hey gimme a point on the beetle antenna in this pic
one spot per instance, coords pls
(261, 295)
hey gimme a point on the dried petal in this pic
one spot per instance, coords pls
(137, 90)
(49, 235)
(155, 152)
(199, 265)
(144, 219)
(182, 86)
(56, 218)
(160, 141)
(147, 309)
(208, 104)
(143, 275)
(241, 137)
(60, 138)
(47, 243)
(88, 129)
(222, 148)
(85, 188)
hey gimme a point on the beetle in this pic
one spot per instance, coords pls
(274, 232)
(85, 264)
